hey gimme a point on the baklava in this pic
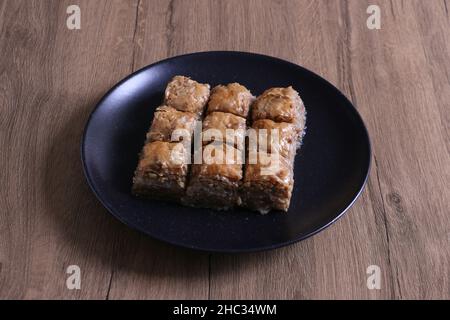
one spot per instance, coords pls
(169, 124)
(280, 105)
(185, 94)
(269, 173)
(215, 182)
(276, 137)
(224, 127)
(230, 164)
(162, 171)
(268, 183)
(232, 98)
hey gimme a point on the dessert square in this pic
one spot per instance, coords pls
(271, 137)
(162, 170)
(224, 127)
(169, 123)
(280, 105)
(232, 98)
(185, 94)
(267, 184)
(215, 182)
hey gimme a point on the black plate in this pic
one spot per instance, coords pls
(330, 170)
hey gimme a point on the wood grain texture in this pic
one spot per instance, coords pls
(51, 78)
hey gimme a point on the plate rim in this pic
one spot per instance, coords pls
(278, 245)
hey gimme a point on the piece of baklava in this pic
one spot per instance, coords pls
(224, 127)
(163, 166)
(232, 98)
(169, 124)
(278, 127)
(280, 105)
(215, 182)
(185, 94)
(267, 183)
(274, 137)
(162, 170)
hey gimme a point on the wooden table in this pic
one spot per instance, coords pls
(51, 77)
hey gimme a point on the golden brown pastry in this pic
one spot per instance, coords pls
(284, 140)
(162, 170)
(163, 166)
(167, 120)
(185, 94)
(232, 98)
(279, 105)
(267, 184)
(219, 180)
(224, 127)
(215, 182)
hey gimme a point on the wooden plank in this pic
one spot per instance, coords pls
(146, 269)
(51, 78)
(400, 77)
